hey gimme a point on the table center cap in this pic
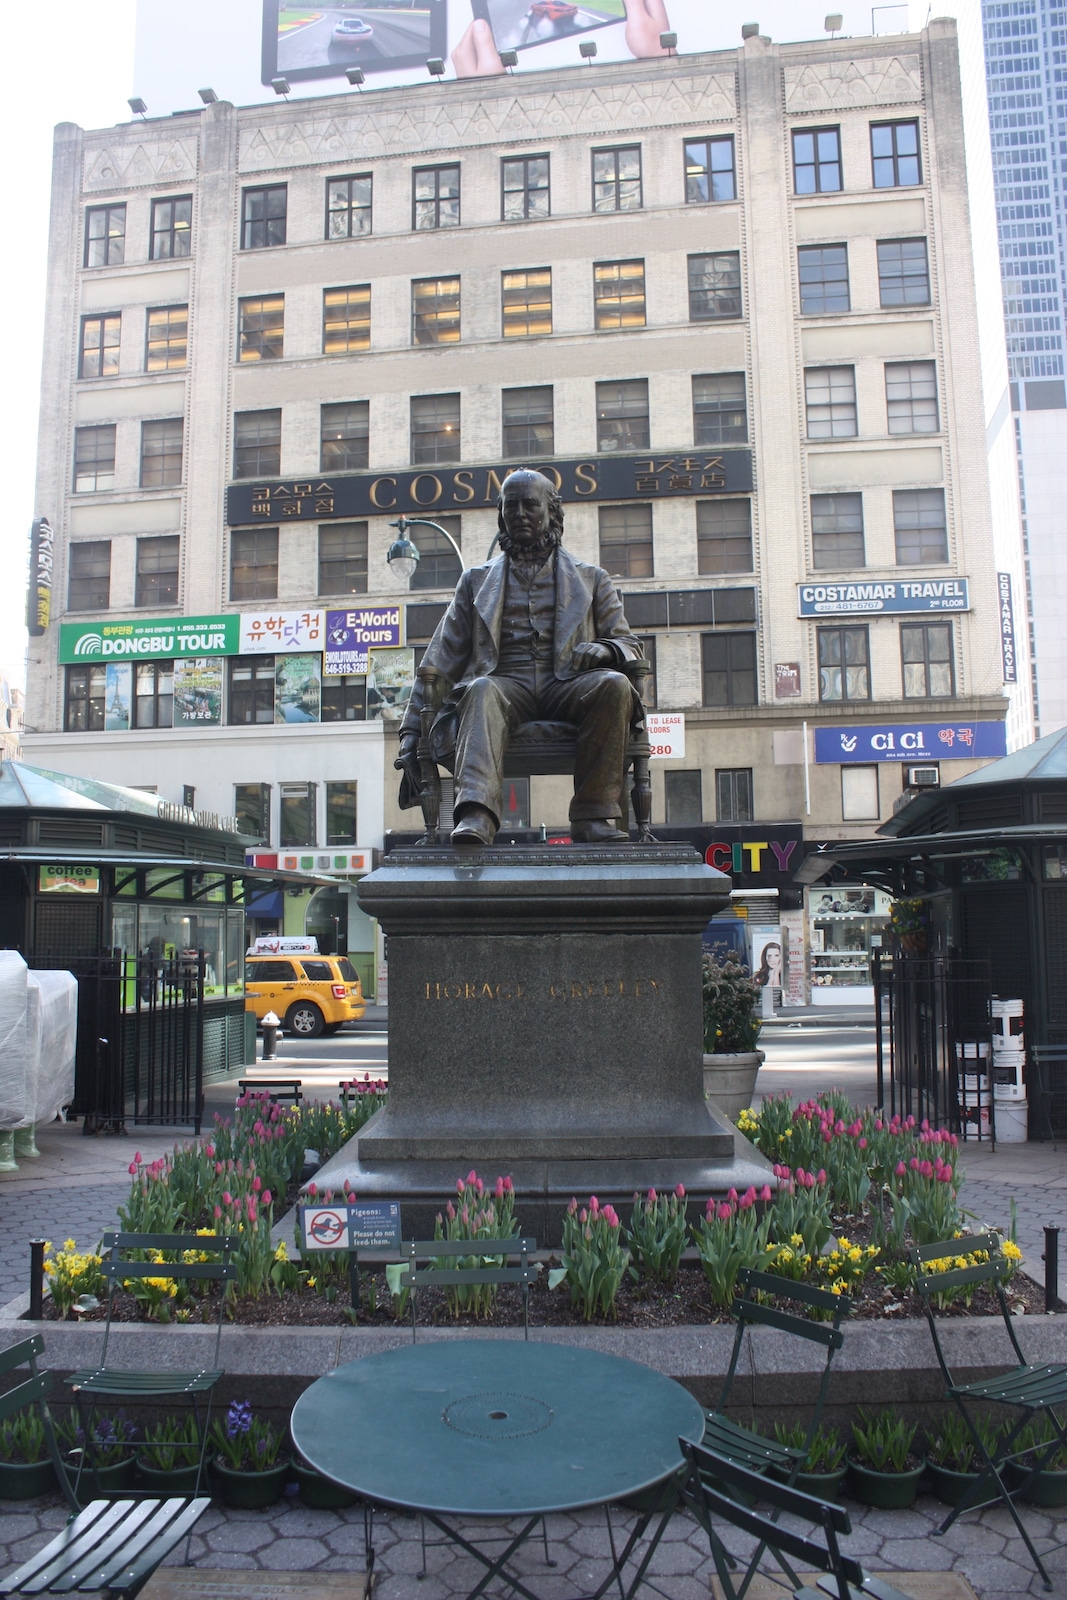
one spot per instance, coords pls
(498, 1414)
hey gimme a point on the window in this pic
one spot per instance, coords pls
(99, 356)
(343, 558)
(720, 410)
(895, 154)
(257, 444)
(649, 693)
(435, 197)
(94, 458)
(340, 813)
(435, 311)
(166, 339)
(525, 194)
(251, 690)
(622, 415)
(683, 799)
(715, 286)
(724, 536)
(526, 303)
(348, 206)
(733, 794)
(816, 160)
(172, 228)
(439, 567)
(903, 272)
(527, 423)
(709, 170)
(617, 179)
(911, 397)
(251, 807)
(515, 812)
(626, 540)
(837, 532)
(619, 294)
(157, 571)
(859, 793)
(105, 236)
(844, 664)
(926, 659)
(261, 328)
(344, 436)
(263, 216)
(161, 453)
(823, 270)
(435, 433)
(254, 564)
(153, 698)
(919, 525)
(728, 662)
(85, 690)
(344, 699)
(830, 397)
(346, 320)
(89, 576)
(296, 814)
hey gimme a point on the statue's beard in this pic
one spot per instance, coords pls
(536, 551)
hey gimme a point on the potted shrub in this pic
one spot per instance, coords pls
(952, 1462)
(731, 1027)
(824, 1467)
(1049, 1488)
(169, 1459)
(250, 1466)
(885, 1472)
(25, 1462)
(105, 1464)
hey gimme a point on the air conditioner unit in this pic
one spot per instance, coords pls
(924, 777)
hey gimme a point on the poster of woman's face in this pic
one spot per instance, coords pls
(767, 956)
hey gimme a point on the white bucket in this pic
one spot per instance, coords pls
(972, 1050)
(974, 1084)
(1007, 1091)
(975, 1115)
(1008, 1076)
(1007, 1008)
(1012, 1121)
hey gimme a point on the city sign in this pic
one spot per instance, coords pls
(350, 634)
(605, 477)
(858, 597)
(366, 1225)
(65, 879)
(161, 637)
(912, 741)
(39, 599)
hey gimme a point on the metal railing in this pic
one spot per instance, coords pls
(933, 1019)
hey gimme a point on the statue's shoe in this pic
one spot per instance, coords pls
(477, 828)
(599, 831)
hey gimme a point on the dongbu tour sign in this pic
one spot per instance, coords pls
(169, 637)
(912, 741)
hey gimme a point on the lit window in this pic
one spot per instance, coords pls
(435, 311)
(167, 339)
(526, 303)
(261, 328)
(346, 320)
(619, 295)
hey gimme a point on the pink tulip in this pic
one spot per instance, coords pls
(900, 1169)
(137, 1157)
(765, 1192)
(227, 1198)
(266, 1197)
(679, 1192)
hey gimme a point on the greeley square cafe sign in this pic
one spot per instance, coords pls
(600, 478)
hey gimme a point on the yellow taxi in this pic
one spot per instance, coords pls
(311, 993)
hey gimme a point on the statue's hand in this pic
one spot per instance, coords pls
(587, 657)
(408, 759)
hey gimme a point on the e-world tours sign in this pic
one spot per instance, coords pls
(596, 478)
(167, 637)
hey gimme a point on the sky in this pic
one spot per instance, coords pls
(87, 79)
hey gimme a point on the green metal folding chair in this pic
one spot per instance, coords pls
(1030, 1391)
(109, 1547)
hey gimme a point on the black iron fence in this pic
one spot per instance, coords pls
(934, 1041)
(140, 1051)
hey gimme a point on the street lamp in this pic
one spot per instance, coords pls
(403, 553)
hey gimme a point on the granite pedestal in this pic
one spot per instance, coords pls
(544, 1022)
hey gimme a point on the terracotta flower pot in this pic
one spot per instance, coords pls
(888, 1491)
(250, 1491)
(730, 1080)
(22, 1480)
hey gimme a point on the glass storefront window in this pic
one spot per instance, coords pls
(845, 923)
(235, 952)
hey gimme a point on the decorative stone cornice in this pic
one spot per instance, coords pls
(146, 162)
(832, 85)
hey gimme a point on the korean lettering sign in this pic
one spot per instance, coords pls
(350, 634)
(912, 741)
(163, 638)
(857, 597)
(272, 632)
(39, 601)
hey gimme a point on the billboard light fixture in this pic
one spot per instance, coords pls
(587, 48)
(280, 85)
(750, 30)
(355, 76)
(435, 67)
(834, 22)
(668, 42)
(208, 96)
(137, 106)
(509, 58)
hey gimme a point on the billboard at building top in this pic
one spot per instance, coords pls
(239, 47)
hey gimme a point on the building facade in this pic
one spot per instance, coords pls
(725, 300)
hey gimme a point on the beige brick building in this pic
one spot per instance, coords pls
(727, 299)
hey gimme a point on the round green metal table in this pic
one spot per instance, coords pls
(498, 1428)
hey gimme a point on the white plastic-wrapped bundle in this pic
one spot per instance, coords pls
(51, 1037)
(14, 1053)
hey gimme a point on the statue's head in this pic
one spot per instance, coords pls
(529, 513)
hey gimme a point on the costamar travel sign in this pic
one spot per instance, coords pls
(855, 597)
(455, 488)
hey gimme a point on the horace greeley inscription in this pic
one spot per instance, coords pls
(532, 635)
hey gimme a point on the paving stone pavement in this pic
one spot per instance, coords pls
(291, 1538)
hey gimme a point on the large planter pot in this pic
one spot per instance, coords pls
(22, 1480)
(948, 1486)
(823, 1485)
(320, 1493)
(1049, 1488)
(169, 1480)
(100, 1483)
(888, 1491)
(730, 1080)
(250, 1491)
